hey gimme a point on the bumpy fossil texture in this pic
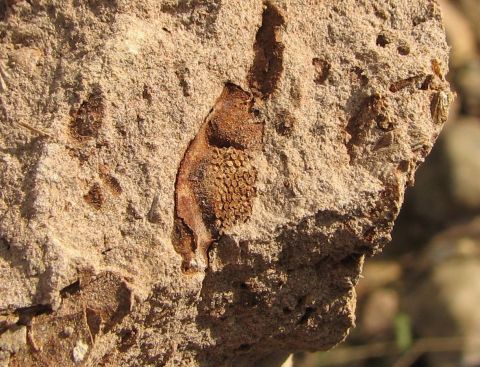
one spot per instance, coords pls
(197, 183)
(232, 188)
(215, 181)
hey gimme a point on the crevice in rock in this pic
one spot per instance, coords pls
(268, 63)
(95, 196)
(26, 314)
(382, 40)
(70, 289)
(417, 81)
(306, 315)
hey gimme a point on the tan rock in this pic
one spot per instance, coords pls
(351, 97)
(12, 341)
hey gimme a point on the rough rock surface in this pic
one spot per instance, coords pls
(100, 105)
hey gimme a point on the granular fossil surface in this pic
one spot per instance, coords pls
(198, 183)
(215, 183)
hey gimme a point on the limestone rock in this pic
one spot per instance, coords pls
(103, 102)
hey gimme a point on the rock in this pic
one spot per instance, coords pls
(446, 188)
(89, 308)
(79, 352)
(12, 340)
(288, 362)
(119, 120)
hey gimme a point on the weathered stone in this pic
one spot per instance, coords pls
(12, 340)
(99, 104)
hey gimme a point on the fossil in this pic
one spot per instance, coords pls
(215, 184)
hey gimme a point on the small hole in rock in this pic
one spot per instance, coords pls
(350, 261)
(382, 40)
(404, 166)
(128, 338)
(306, 315)
(301, 301)
(70, 289)
(403, 50)
(244, 347)
(88, 118)
(147, 94)
(427, 82)
(358, 76)
(285, 123)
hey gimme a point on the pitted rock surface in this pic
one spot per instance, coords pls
(100, 102)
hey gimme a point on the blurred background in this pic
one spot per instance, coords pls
(419, 302)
